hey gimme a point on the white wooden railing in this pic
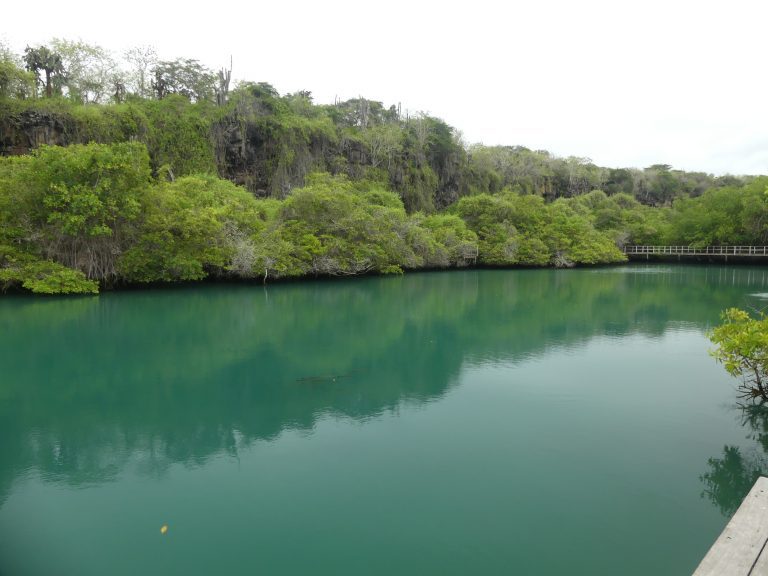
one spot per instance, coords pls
(706, 251)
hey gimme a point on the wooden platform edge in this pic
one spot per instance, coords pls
(741, 547)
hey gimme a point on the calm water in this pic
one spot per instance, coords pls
(480, 422)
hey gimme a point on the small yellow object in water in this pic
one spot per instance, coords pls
(164, 529)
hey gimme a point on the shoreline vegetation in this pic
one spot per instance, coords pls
(160, 173)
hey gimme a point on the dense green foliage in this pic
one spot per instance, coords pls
(517, 229)
(162, 173)
(742, 347)
(720, 216)
(185, 229)
(75, 205)
(73, 216)
(193, 123)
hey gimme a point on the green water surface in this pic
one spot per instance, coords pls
(476, 422)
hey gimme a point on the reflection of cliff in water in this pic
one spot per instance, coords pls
(730, 477)
(161, 376)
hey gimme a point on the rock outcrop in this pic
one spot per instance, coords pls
(21, 133)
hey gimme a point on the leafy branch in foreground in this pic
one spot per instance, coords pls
(742, 348)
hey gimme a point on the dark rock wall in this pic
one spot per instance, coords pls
(21, 133)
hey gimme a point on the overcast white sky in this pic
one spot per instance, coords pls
(625, 83)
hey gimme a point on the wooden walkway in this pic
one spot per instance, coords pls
(742, 548)
(754, 251)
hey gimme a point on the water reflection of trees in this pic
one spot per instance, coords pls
(153, 378)
(731, 476)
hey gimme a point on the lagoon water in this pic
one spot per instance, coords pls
(472, 422)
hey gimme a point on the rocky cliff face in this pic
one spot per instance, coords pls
(240, 155)
(21, 133)
(251, 148)
(270, 160)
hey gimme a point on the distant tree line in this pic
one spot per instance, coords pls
(269, 143)
(143, 170)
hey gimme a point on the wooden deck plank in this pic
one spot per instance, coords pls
(740, 548)
(761, 566)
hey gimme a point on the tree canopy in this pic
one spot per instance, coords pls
(161, 172)
(742, 348)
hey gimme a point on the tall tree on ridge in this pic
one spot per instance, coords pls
(43, 59)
